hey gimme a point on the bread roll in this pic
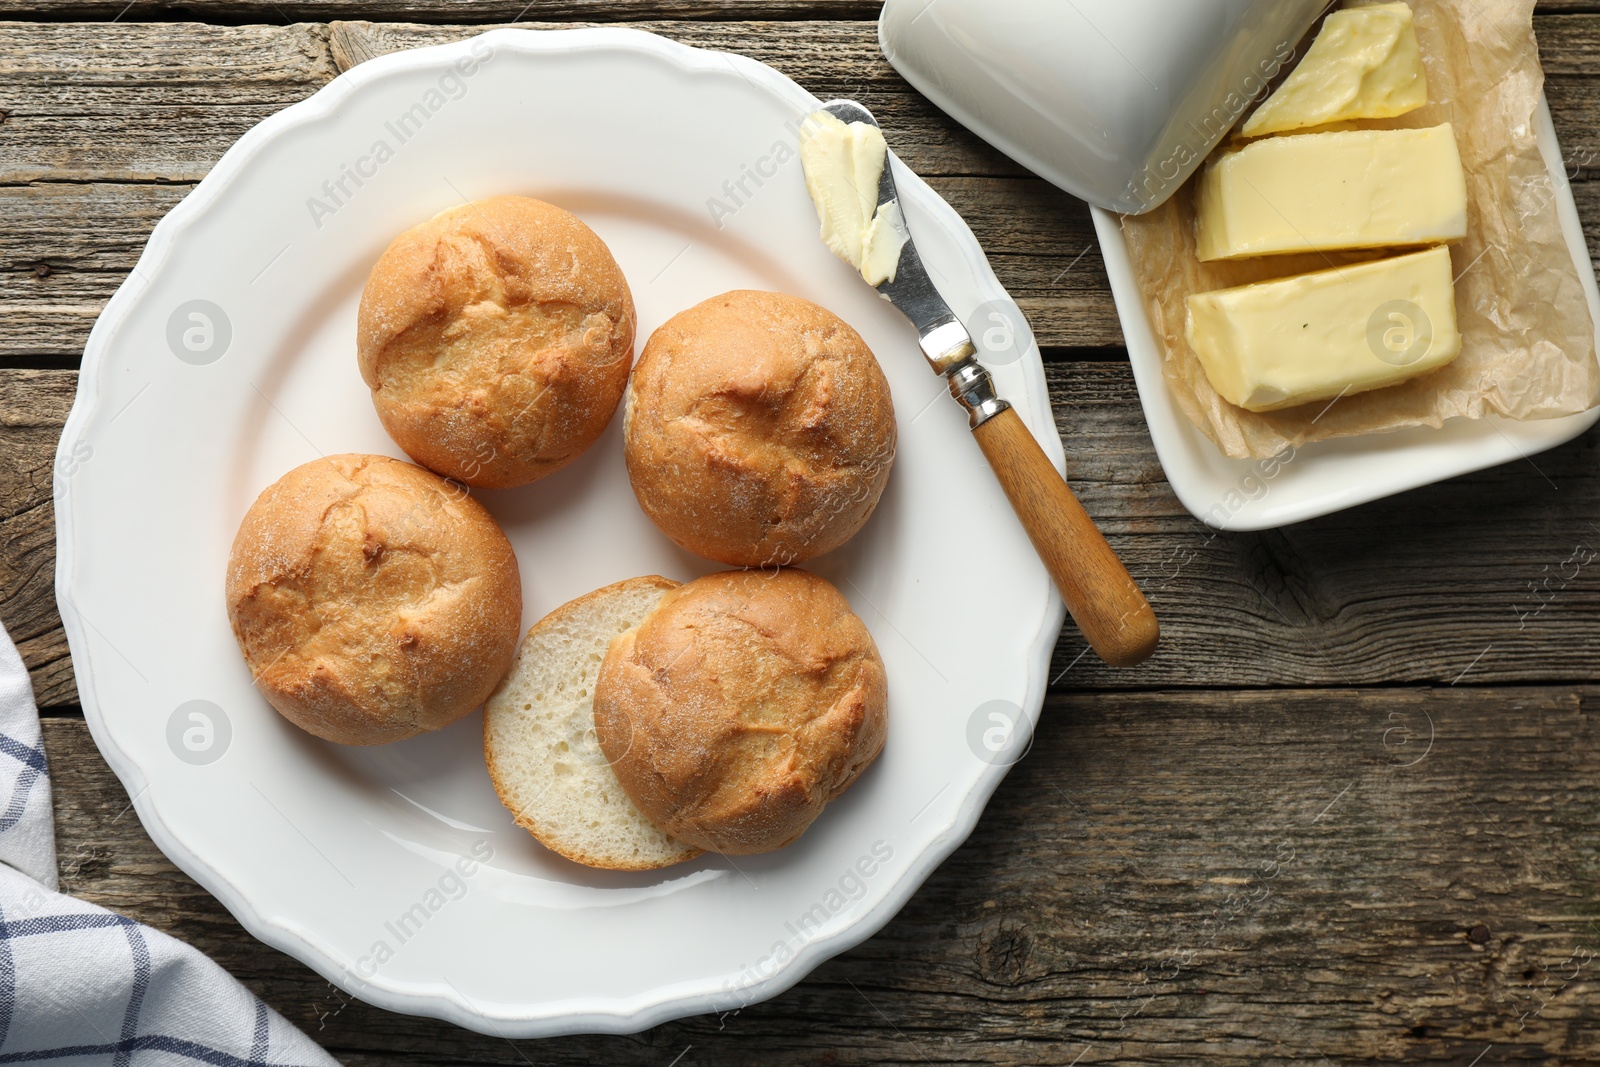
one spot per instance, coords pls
(539, 737)
(372, 600)
(740, 706)
(496, 339)
(759, 429)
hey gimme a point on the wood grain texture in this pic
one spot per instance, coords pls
(106, 127)
(1488, 578)
(274, 12)
(1110, 612)
(67, 246)
(88, 160)
(33, 407)
(64, 249)
(458, 11)
(154, 101)
(1228, 878)
(1346, 812)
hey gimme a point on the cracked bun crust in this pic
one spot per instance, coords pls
(496, 339)
(759, 429)
(372, 600)
(742, 704)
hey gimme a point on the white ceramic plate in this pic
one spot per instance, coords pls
(394, 871)
(1328, 476)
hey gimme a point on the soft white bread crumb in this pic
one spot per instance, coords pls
(539, 738)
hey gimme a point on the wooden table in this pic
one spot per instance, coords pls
(1349, 811)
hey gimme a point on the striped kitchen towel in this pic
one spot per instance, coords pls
(82, 985)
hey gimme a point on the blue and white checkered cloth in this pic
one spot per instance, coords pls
(80, 985)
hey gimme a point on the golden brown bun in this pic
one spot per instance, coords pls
(740, 706)
(496, 339)
(759, 429)
(372, 600)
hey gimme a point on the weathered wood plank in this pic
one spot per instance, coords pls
(458, 11)
(1482, 578)
(1236, 878)
(1169, 876)
(1569, 46)
(88, 102)
(102, 102)
(64, 250)
(68, 246)
(33, 407)
(455, 11)
(88, 162)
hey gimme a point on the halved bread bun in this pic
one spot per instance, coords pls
(539, 737)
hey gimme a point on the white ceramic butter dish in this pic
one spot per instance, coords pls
(1328, 476)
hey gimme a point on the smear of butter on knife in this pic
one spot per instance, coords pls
(843, 165)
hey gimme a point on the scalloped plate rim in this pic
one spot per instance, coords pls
(620, 1015)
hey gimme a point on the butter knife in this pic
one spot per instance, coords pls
(1103, 599)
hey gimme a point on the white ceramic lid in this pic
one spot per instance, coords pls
(1115, 101)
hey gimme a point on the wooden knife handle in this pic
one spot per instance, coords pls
(1108, 607)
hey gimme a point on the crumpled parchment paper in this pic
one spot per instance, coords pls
(1528, 347)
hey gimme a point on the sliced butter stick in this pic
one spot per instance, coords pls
(1322, 191)
(1364, 64)
(1334, 332)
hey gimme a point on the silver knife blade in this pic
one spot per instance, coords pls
(943, 339)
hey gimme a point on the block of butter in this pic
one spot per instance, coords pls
(1321, 191)
(843, 164)
(1364, 64)
(1334, 332)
